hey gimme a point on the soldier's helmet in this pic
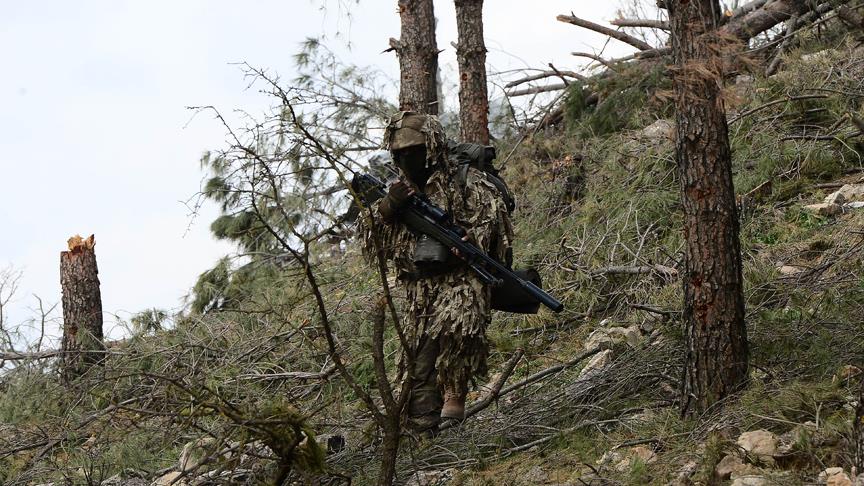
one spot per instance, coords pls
(406, 130)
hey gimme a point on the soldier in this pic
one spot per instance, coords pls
(448, 307)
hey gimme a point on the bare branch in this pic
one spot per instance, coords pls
(615, 34)
(651, 24)
(543, 75)
(539, 89)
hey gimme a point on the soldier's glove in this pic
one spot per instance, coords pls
(397, 196)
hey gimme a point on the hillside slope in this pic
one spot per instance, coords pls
(592, 398)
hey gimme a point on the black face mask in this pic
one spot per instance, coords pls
(412, 161)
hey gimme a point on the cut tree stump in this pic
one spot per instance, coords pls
(82, 308)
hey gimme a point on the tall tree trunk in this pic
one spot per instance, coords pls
(471, 56)
(82, 308)
(418, 57)
(715, 332)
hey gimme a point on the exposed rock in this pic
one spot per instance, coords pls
(729, 465)
(643, 453)
(846, 373)
(817, 56)
(744, 79)
(684, 474)
(854, 205)
(610, 457)
(596, 362)
(824, 209)
(607, 338)
(630, 456)
(660, 129)
(835, 198)
(834, 476)
(128, 477)
(847, 193)
(169, 479)
(195, 452)
(430, 478)
(536, 475)
(799, 434)
(754, 480)
(789, 270)
(760, 443)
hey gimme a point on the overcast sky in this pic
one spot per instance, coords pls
(95, 136)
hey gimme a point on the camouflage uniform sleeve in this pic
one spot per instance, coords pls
(484, 216)
(395, 241)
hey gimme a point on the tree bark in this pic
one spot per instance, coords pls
(715, 332)
(471, 57)
(82, 308)
(418, 57)
(389, 452)
(754, 22)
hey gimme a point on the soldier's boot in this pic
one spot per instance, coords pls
(454, 402)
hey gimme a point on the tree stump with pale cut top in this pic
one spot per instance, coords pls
(82, 309)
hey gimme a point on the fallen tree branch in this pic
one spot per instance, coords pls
(791, 25)
(18, 356)
(543, 75)
(595, 57)
(495, 391)
(548, 371)
(584, 423)
(772, 103)
(759, 20)
(295, 375)
(662, 270)
(651, 24)
(536, 90)
(747, 8)
(850, 17)
(486, 401)
(654, 310)
(615, 34)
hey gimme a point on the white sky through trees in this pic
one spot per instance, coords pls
(95, 136)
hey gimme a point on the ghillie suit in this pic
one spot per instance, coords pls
(448, 307)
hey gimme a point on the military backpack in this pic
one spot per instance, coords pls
(480, 157)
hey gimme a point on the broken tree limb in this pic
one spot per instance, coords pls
(549, 371)
(18, 356)
(654, 310)
(772, 103)
(595, 57)
(755, 22)
(494, 391)
(292, 375)
(662, 51)
(615, 34)
(663, 271)
(543, 75)
(538, 89)
(850, 17)
(747, 8)
(651, 24)
(475, 407)
(791, 25)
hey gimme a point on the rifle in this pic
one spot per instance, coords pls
(421, 215)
